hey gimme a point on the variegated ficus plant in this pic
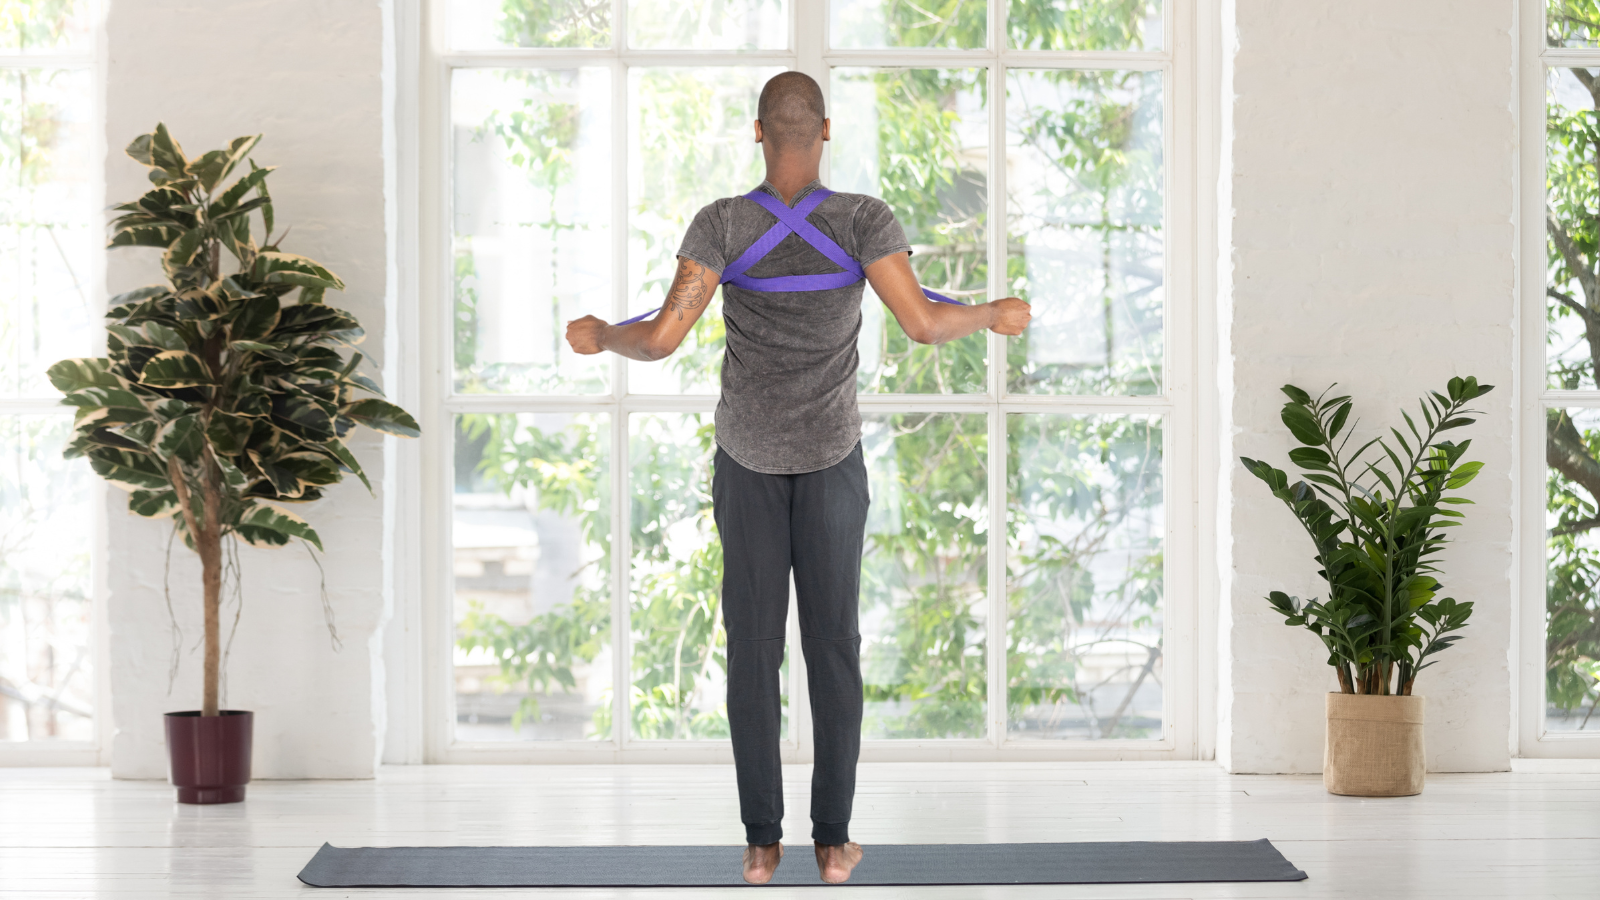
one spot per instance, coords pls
(222, 395)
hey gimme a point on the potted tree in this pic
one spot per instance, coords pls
(221, 397)
(1376, 518)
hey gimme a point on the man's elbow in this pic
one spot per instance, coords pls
(922, 333)
(657, 348)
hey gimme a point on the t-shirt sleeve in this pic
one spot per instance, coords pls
(703, 242)
(877, 233)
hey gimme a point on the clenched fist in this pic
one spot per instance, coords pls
(585, 335)
(1011, 315)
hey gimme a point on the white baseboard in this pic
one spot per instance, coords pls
(1556, 766)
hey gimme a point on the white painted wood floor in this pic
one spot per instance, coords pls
(77, 833)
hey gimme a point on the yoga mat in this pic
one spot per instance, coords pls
(1113, 862)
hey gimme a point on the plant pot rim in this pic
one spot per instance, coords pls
(1396, 708)
(195, 713)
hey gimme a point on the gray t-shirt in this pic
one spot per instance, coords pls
(789, 372)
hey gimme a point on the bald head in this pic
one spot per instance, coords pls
(791, 112)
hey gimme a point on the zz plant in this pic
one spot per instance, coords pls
(221, 396)
(1377, 520)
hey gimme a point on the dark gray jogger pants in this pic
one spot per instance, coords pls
(815, 522)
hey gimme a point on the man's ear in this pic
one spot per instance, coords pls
(758, 130)
(825, 124)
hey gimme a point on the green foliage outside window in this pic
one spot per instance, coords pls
(925, 575)
(1572, 651)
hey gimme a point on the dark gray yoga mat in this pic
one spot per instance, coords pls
(1112, 862)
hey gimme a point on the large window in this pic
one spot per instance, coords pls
(49, 236)
(1028, 581)
(1562, 659)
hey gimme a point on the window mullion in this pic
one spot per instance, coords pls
(996, 595)
(621, 546)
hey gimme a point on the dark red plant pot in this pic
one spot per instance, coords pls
(210, 755)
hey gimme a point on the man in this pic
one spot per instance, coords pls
(790, 485)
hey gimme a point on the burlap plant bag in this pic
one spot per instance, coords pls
(1374, 746)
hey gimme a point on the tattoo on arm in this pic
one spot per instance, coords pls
(688, 288)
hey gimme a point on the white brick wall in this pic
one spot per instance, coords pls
(1372, 187)
(308, 74)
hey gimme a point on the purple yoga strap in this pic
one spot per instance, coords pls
(793, 221)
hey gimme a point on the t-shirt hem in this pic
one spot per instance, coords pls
(787, 470)
(715, 267)
(904, 248)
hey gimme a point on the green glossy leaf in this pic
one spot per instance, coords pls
(164, 337)
(1301, 423)
(158, 149)
(153, 504)
(263, 517)
(183, 438)
(1340, 415)
(1311, 458)
(174, 368)
(273, 266)
(236, 191)
(146, 236)
(303, 320)
(229, 434)
(96, 397)
(76, 374)
(184, 249)
(302, 415)
(254, 319)
(347, 460)
(381, 415)
(139, 294)
(1463, 475)
(127, 469)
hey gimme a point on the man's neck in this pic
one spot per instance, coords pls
(790, 180)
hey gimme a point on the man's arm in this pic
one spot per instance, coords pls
(929, 322)
(655, 338)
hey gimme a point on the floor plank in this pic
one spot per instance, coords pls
(78, 833)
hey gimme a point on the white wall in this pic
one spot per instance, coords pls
(307, 74)
(1371, 181)
(1368, 161)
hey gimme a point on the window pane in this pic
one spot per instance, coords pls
(1084, 216)
(692, 141)
(1085, 24)
(532, 187)
(46, 25)
(1572, 23)
(46, 649)
(901, 23)
(1572, 622)
(530, 23)
(919, 138)
(1572, 198)
(680, 663)
(923, 576)
(532, 563)
(48, 225)
(1084, 577)
(709, 24)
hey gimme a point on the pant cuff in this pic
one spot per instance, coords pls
(830, 832)
(763, 833)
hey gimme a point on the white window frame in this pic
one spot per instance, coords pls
(97, 750)
(1533, 397)
(1188, 60)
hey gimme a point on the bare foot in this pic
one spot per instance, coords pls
(836, 861)
(761, 861)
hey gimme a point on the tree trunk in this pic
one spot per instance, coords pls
(209, 543)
